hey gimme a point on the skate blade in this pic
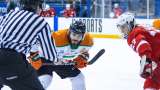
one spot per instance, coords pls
(143, 61)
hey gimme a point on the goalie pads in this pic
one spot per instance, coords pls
(81, 60)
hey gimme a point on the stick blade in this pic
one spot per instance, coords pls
(100, 53)
(143, 61)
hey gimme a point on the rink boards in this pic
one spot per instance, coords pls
(98, 27)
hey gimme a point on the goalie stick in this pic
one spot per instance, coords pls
(95, 58)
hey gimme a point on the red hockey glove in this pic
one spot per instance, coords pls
(35, 60)
(81, 60)
(147, 69)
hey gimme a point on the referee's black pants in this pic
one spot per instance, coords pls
(1, 86)
(16, 72)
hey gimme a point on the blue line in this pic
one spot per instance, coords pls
(55, 23)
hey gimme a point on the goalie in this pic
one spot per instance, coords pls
(72, 45)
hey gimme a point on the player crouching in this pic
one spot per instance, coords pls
(145, 42)
(72, 45)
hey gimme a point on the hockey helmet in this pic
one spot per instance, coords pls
(47, 7)
(68, 6)
(31, 5)
(77, 27)
(128, 19)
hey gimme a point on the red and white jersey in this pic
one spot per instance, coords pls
(117, 12)
(145, 41)
(50, 13)
(70, 13)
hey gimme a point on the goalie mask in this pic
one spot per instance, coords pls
(128, 20)
(77, 27)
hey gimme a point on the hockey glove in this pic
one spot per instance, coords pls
(35, 60)
(81, 60)
(147, 69)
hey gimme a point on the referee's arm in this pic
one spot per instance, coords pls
(48, 44)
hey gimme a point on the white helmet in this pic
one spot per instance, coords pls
(116, 5)
(128, 19)
(68, 6)
(16, 8)
(47, 7)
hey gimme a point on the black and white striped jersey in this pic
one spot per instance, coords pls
(20, 30)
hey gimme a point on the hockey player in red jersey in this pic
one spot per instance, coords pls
(145, 42)
(49, 12)
(68, 12)
(117, 11)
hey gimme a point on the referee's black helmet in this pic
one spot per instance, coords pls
(30, 5)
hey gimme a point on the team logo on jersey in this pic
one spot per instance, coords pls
(68, 54)
(82, 50)
(61, 51)
(72, 50)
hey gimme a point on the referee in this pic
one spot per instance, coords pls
(19, 31)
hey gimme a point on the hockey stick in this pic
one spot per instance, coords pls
(95, 58)
(143, 61)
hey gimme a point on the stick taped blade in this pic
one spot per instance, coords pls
(100, 53)
(143, 61)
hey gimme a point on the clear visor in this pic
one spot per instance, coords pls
(76, 36)
(77, 31)
(121, 35)
(123, 31)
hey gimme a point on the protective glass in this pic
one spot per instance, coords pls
(43, 7)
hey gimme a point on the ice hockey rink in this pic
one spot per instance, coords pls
(116, 69)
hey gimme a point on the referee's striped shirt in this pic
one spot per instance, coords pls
(19, 30)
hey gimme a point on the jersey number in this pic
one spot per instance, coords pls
(133, 44)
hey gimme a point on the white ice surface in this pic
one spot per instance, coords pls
(117, 69)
